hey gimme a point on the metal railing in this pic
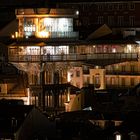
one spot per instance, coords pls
(73, 57)
(121, 72)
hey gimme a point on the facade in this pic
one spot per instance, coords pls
(19, 122)
(41, 50)
(59, 47)
(121, 16)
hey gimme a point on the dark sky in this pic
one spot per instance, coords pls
(12, 3)
(6, 15)
(7, 9)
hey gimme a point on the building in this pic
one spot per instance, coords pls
(41, 49)
(121, 16)
(58, 47)
(20, 121)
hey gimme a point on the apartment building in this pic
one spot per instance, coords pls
(121, 16)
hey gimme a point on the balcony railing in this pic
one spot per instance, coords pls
(73, 57)
(121, 72)
(64, 35)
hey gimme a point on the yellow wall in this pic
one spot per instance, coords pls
(3, 88)
(77, 81)
(76, 103)
(101, 73)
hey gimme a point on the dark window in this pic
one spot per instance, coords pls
(131, 20)
(123, 68)
(132, 68)
(77, 73)
(132, 81)
(120, 20)
(132, 6)
(123, 81)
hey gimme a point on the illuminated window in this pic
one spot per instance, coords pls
(129, 48)
(114, 50)
(52, 50)
(29, 28)
(118, 137)
(57, 24)
(33, 50)
(48, 27)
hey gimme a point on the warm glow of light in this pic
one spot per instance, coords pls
(118, 137)
(77, 12)
(129, 48)
(114, 50)
(12, 36)
(43, 34)
(28, 96)
(96, 67)
(69, 76)
(67, 108)
(68, 95)
(16, 34)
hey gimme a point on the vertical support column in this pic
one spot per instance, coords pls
(68, 94)
(41, 96)
(21, 27)
(36, 25)
(67, 108)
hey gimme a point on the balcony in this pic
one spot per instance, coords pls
(100, 59)
(64, 35)
(121, 72)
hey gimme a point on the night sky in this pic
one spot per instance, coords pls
(7, 9)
